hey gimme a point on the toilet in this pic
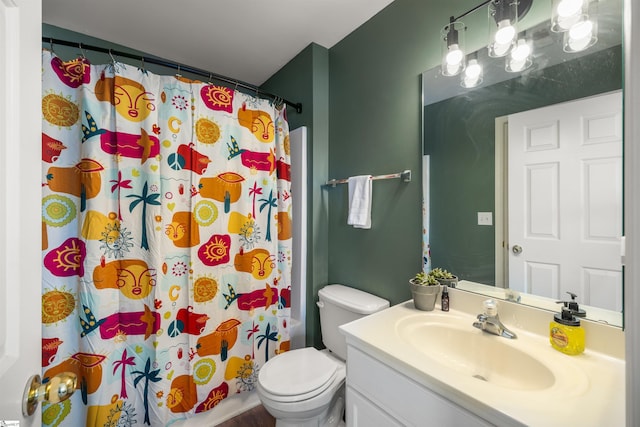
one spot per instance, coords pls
(305, 387)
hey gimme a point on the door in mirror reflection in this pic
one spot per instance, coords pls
(565, 201)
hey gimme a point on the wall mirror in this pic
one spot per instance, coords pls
(522, 173)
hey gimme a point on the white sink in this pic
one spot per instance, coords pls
(477, 354)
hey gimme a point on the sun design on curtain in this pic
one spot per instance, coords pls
(166, 218)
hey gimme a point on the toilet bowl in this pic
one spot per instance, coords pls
(306, 387)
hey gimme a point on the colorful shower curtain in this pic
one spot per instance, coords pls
(166, 219)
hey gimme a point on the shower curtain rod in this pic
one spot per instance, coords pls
(174, 65)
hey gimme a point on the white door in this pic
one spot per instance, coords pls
(20, 218)
(565, 200)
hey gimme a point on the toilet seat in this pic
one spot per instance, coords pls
(297, 375)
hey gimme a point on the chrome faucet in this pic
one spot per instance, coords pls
(489, 321)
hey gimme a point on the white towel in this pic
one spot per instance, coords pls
(360, 201)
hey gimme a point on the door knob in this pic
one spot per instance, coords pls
(59, 388)
(517, 249)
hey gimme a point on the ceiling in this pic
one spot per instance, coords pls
(248, 40)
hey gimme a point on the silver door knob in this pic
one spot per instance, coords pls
(59, 388)
(517, 249)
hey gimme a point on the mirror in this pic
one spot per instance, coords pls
(472, 138)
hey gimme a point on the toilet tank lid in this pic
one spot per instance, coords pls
(352, 299)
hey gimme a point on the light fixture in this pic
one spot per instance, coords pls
(576, 19)
(503, 19)
(582, 35)
(453, 56)
(520, 57)
(566, 13)
(472, 75)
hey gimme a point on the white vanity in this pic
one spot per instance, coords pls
(407, 367)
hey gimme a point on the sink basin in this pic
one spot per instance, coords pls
(460, 347)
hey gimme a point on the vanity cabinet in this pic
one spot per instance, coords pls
(378, 395)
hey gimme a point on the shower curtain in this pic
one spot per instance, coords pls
(166, 252)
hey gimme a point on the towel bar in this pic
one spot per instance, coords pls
(405, 176)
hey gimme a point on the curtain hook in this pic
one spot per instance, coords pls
(51, 45)
(236, 88)
(142, 63)
(178, 72)
(113, 60)
(210, 79)
(81, 50)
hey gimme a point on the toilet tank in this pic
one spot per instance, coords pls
(339, 305)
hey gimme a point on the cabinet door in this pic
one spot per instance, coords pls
(403, 399)
(363, 413)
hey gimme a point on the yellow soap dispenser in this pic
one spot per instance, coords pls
(565, 333)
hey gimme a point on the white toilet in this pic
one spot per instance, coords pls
(305, 387)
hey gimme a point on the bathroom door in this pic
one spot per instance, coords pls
(565, 200)
(20, 201)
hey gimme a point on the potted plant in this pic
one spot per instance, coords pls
(424, 290)
(444, 277)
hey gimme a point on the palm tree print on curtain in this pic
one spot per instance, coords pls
(166, 242)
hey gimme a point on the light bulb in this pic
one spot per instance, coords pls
(506, 32)
(454, 56)
(581, 36)
(567, 8)
(581, 30)
(472, 76)
(473, 69)
(520, 58)
(501, 49)
(521, 52)
(517, 65)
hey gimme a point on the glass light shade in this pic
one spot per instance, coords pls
(582, 35)
(453, 56)
(503, 20)
(472, 75)
(520, 57)
(566, 13)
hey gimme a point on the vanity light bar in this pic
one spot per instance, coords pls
(405, 176)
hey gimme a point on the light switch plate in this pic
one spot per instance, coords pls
(485, 218)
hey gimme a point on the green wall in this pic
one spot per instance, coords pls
(459, 137)
(375, 128)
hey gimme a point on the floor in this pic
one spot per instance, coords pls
(256, 417)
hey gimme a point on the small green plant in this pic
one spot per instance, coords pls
(440, 273)
(425, 279)
(432, 278)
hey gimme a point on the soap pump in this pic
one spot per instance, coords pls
(565, 332)
(573, 305)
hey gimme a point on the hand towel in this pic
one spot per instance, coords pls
(360, 201)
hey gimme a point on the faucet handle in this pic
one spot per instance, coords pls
(490, 307)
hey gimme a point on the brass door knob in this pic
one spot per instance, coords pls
(59, 388)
